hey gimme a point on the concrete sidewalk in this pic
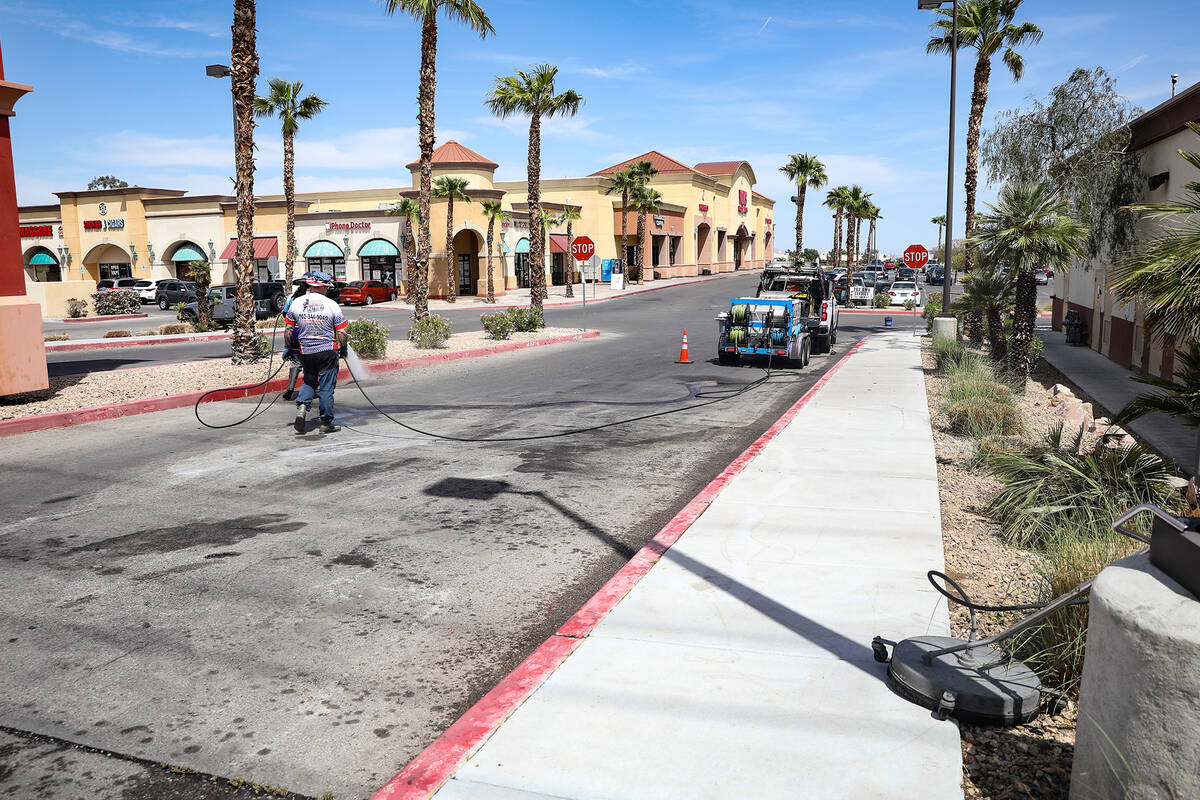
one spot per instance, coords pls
(740, 664)
(1112, 386)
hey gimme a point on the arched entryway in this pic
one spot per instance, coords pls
(741, 240)
(703, 243)
(521, 262)
(766, 250)
(41, 265)
(179, 257)
(107, 260)
(325, 256)
(380, 260)
(468, 244)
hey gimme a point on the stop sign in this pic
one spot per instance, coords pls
(915, 256)
(583, 248)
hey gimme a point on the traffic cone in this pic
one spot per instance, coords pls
(683, 351)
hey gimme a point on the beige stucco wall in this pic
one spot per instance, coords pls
(167, 231)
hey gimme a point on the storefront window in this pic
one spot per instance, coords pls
(45, 272)
(673, 249)
(262, 269)
(522, 263)
(115, 271)
(334, 266)
(380, 268)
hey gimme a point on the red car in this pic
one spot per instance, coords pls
(366, 292)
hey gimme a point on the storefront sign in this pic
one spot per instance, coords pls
(659, 220)
(34, 231)
(347, 227)
(743, 206)
(768, 220)
(104, 224)
(703, 208)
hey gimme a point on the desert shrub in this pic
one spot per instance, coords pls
(262, 345)
(933, 307)
(76, 308)
(116, 301)
(269, 323)
(56, 337)
(179, 308)
(119, 334)
(368, 338)
(526, 319)
(882, 300)
(910, 304)
(951, 354)
(499, 325)
(177, 327)
(430, 332)
(1053, 486)
(978, 417)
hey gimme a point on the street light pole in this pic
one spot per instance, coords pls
(947, 265)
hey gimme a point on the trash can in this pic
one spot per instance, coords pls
(617, 280)
(1076, 329)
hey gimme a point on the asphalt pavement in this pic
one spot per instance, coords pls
(310, 612)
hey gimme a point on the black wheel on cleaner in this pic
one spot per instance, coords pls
(724, 358)
(820, 344)
(805, 354)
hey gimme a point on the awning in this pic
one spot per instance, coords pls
(504, 248)
(522, 246)
(187, 253)
(42, 260)
(264, 247)
(558, 243)
(379, 247)
(323, 249)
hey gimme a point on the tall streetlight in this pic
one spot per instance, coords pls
(223, 71)
(948, 328)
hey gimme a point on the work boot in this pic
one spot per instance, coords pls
(301, 423)
(327, 426)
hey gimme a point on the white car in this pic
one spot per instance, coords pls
(903, 291)
(146, 290)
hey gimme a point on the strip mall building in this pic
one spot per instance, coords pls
(711, 220)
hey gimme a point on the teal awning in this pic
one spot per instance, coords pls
(187, 253)
(504, 248)
(522, 245)
(323, 249)
(42, 259)
(379, 247)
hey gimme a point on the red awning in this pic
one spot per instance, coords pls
(264, 247)
(558, 243)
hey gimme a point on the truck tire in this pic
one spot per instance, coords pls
(277, 302)
(725, 359)
(833, 338)
(805, 354)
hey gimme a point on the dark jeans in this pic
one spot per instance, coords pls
(320, 379)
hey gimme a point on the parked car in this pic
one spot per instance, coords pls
(169, 292)
(147, 289)
(903, 291)
(367, 292)
(906, 274)
(223, 297)
(334, 292)
(1040, 277)
(938, 276)
(104, 284)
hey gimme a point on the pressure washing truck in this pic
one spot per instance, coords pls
(793, 315)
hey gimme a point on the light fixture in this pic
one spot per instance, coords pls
(218, 71)
(150, 247)
(212, 252)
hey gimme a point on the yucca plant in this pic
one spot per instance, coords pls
(989, 293)
(1054, 485)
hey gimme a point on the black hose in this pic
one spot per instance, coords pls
(964, 600)
(258, 409)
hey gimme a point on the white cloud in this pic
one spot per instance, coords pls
(1131, 63)
(123, 42)
(577, 128)
(621, 72)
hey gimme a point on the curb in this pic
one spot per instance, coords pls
(63, 419)
(438, 762)
(704, 279)
(108, 318)
(137, 341)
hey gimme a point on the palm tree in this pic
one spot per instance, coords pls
(940, 221)
(452, 189)
(836, 199)
(987, 27)
(1028, 228)
(1165, 272)
(243, 60)
(856, 201)
(988, 292)
(805, 171)
(570, 215)
(625, 181)
(643, 171)
(493, 211)
(411, 211)
(646, 201)
(284, 99)
(425, 11)
(532, 93)
(871, 214)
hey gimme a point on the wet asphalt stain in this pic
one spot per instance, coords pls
(219, 533)
(224, 554)
(352, 560)
(55, 500)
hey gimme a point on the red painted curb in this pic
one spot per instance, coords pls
(434, 765)
(105, 344)
(108, 318)
(62, 419)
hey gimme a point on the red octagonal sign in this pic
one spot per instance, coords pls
(583, 248)
(915, 256)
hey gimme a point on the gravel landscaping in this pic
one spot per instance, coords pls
(74, 392)
(1033, 760)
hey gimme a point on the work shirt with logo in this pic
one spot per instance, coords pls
(316, 318)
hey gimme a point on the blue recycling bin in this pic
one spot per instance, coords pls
(606, 266)
(887, 322)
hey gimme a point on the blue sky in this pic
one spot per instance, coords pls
(121, 89)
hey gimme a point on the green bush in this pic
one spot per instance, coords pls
(430, 332)
(499, 325)
(121, 334)
(113, 302)
(262, 345)
(933, 307)
(56, 337)
(76, 308)
(910, 304)
(882, 300)
(368, 338)
(1052, 486)
(179, 308)
(527, 319)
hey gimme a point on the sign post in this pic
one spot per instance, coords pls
(582, 249)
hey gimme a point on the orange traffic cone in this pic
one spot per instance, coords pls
(683, 351)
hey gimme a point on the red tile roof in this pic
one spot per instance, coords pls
(719, 167)
(660, 162)
(454, 153)
(264, 247)
(762, 196)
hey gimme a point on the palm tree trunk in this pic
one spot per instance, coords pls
(569, 260)
(244, 66)
(425, 93)
(410, 254)
(491, 292)
(983, 72)
(973, 322)
(995, 325)
(641, 248)
(801, 188)
(537, 256)
(451, 266)
(837, 239)
(939, 247)
(289, 193)
(851, 224)
(1024, 317)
